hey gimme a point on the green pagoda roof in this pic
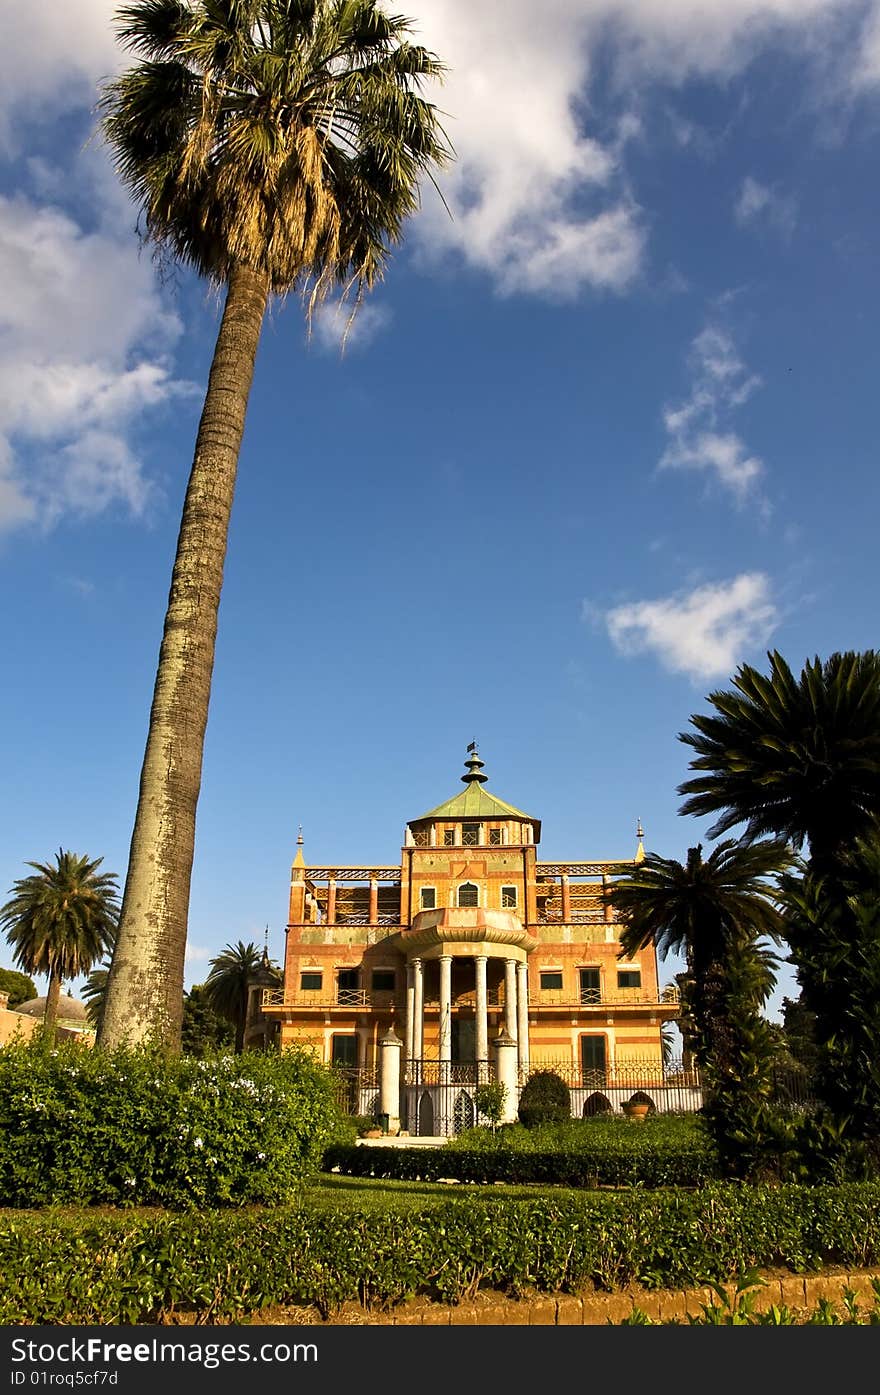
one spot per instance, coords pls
(475, 802)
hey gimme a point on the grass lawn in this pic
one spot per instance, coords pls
(335, 1193)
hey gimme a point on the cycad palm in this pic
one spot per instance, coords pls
(794, 758)
(273, 145)
(60, 921)
(226, 987)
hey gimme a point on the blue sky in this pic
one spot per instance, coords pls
(601, 436)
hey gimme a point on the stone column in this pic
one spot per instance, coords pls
(331, 901)
(418, 1011)
(389, 1079)
(482, 1018)
(566, 899)
(374, 901)
(522, 1014)
(507, 1075)
(510, 997)
(410, 1015)
(445, 1012)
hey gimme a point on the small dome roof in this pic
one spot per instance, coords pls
(69, 1009)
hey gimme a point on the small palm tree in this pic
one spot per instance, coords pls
(706, 909)
(793, 758)
(226, 987)
(60, 921)
(272, 145)
(95, 994)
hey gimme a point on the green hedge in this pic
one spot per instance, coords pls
(225, 1264)
(610, 1161)
(87, 1127)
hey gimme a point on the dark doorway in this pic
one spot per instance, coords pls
(593, 1063)
(464, 1040)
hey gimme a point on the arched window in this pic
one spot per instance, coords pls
(468, 894)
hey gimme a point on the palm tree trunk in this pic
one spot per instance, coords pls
(50, 1017)
(145, 988)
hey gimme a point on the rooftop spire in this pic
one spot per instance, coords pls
(640, 850)
(474, 766)
(299, 860)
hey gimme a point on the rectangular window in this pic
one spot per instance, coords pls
(344, 1051)
(383, 980)
(348, 990)
(508, 897)
(589, 985)
(470, 835)
(310, 982)
(629, 978)
(428, 899)
(449, 837)
(494, 837)
(551, 978)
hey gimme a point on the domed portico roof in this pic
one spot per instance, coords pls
(69, 1009)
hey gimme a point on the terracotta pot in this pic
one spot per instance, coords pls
(636, 1111)
(373, 1133)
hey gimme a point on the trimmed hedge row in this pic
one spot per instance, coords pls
(128, 1268)
(662, 1165)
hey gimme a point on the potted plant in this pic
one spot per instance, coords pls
(637, 1107)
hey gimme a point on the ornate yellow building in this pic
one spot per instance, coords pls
(470, 936)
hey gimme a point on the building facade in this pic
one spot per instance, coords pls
(468, 937)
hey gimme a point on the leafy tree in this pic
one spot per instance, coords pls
(19, 986)
(272, 145)
(226, 987)
(59, 921)
(489, 1101)
(834, 931)
(205, 1032)
(719, 912)
(793, 758)
(801, 758)
(799, 1032)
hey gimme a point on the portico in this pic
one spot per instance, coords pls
(481, 959)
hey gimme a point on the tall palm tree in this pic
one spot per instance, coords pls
(272, 145)
(60, 921)
(794, 758)
(226, 987)
(706, 909)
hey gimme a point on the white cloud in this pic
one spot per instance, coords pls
(699, 437)
(83, 354)
(703, 634)
(757, 202)
(538, 193)
(197, 954)
(338, 326)
(54, 55)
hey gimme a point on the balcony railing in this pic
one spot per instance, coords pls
(342, 997)
(547, 998)
(595, 997)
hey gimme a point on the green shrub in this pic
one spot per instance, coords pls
(222, 1265)
(545, 1099)
(87, 1127)
(489, 1101)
